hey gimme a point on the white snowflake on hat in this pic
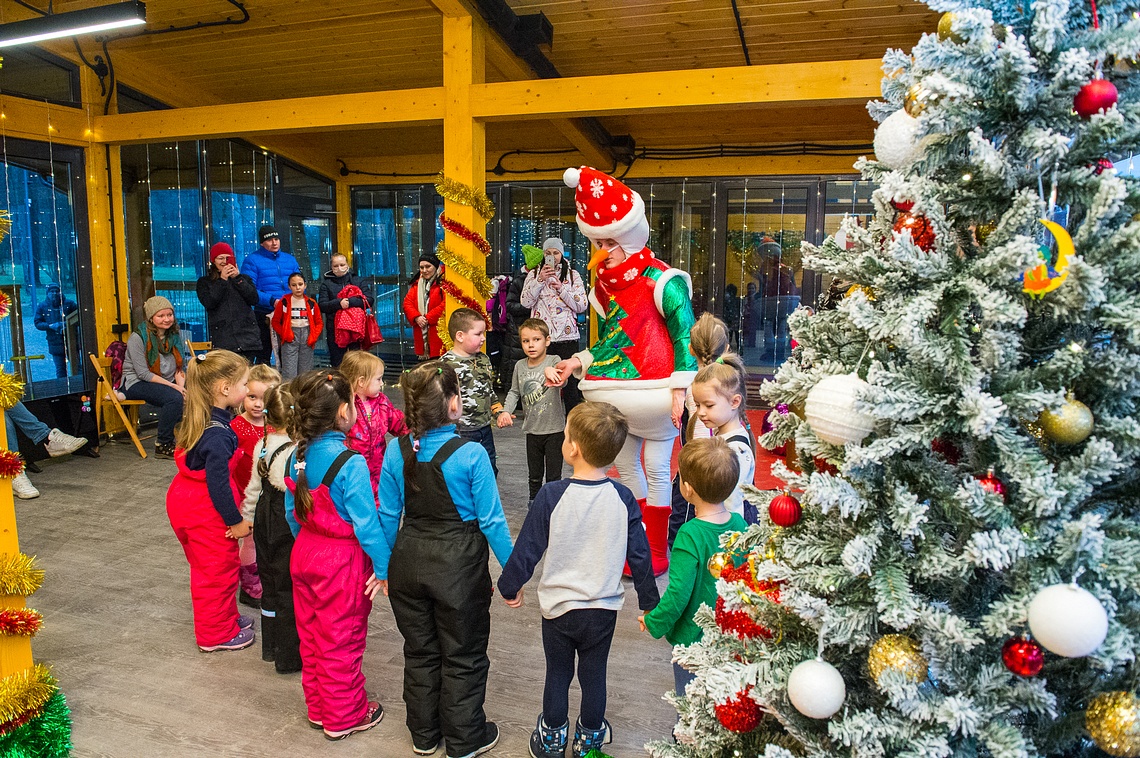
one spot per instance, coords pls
(608, 209)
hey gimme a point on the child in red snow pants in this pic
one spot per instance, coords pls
(212, 555)
(329, 571)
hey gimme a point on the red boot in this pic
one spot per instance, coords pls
(656, 520)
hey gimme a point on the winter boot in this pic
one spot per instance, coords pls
(656, 520)
(268, 636)
(586, 740)
(548, 742)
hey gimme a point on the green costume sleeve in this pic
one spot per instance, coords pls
(678, 310)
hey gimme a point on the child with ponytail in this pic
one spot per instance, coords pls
(331, 512)
(202, 502)
(264, 504)
(444, 488)
(376, 417)
(719, 390)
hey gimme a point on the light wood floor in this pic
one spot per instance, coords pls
(118, 634)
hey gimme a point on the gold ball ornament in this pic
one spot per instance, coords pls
(1070, 424)
(718, 562)
(946, 31)
(984, 230)
(897, 652)
(861, 288)
(1113, 721)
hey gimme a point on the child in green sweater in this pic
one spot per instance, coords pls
(708, 473)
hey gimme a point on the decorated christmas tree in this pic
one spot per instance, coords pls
(956, 566)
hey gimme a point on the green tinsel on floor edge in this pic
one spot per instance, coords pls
(48, 736)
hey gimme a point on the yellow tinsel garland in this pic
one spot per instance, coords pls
(458, 266)
(11, 389)
(444, 337)
(465, 194)
(19, 575)
(25, 691)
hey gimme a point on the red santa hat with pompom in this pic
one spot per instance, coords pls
(608, 209)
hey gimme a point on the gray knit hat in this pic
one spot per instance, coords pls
(155, 304)
(553, 243)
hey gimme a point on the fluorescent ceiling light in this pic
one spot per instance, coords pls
(72, 23)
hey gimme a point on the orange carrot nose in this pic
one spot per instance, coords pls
(596, 259)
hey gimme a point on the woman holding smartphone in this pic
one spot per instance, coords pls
(555, 294)
(228, 297)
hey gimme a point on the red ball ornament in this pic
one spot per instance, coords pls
(1022, 656)
(793, 343)
(740, 714)
(903, 206)
(920, 228)
(947, 449)
(992, 484)
(824, 467)
(1104, 164)
(785, 510)
(1096, 96)
(739, 623)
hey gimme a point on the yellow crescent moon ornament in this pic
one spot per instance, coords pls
(1043, 278)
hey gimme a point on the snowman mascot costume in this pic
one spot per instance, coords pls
(641, 361)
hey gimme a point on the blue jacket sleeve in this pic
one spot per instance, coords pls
(530, 547)
(390, 499)
(250, 269)
(352, 491)
(216, 452)
(488, 506)
(637, 556)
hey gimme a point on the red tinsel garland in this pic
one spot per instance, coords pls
(741, 714)
(472, 236)
(11, 464)
(739, 623)
(744, 573)
(468, 301)
(10, 726)
(20, 622)
(5, 305)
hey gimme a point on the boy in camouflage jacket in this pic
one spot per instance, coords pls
(468, 331)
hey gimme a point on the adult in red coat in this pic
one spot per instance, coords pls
(424, 306)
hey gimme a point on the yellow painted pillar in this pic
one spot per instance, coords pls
(464, 137)
(344, 220)
(15, 651)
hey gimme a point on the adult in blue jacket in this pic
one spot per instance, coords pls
(269, 267)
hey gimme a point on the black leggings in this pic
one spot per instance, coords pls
(543, 455)
(588, 633)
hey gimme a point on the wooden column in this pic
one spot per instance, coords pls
(344, 220)
(464, 137)
(15, 652)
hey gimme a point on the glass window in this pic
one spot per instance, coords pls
(538, 213)
(35, 74)
(241, 194)
(387, 246)
(297, 182)
(42, 340)
(680, 230)
(767, 221)
(166, 245)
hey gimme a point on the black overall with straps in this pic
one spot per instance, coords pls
(440, 591)
(274, 542)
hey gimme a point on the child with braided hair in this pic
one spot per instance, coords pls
(719, 390)
(331, 512)
(444, 488)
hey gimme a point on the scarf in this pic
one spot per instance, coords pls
(157, 346)
(424, 293)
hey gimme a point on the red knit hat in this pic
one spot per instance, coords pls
(220, 248)
(607, 209)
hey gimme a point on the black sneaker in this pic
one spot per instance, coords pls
(248, 600)
(490, 739)
(164, 451)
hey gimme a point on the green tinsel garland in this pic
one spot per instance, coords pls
(48, 736)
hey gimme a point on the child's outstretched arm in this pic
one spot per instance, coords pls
(684, 563)
(529, 549)
(217, 451)
(485, 497)
(637, 555)
(390, 502)
(352, 489)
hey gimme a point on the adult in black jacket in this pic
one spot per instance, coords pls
(330, 301)
(516, 314)
(50, 318)
(228, 297)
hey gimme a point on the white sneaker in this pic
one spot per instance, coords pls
(23, 488)
(59, 443)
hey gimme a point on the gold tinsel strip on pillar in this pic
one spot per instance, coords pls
(19, 575)
(464, 194)
(25, 691)
(11, 389)
(462, 268)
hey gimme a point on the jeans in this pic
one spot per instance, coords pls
(681, 678)
(296, 356)
(19, 417)
(588, 633)
(483, 436)
(168, 401)
(60, 364)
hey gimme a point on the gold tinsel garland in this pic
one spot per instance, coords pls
(19, 575)
(25, 691)
(464, 194)
(11, 389)
(463, 269)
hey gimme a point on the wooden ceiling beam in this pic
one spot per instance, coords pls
(847, 82)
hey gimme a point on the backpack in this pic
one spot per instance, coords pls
(117, 352)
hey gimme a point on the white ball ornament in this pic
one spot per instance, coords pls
(896, 141)
(1068, 620)
(830, 410)
(816, 689)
